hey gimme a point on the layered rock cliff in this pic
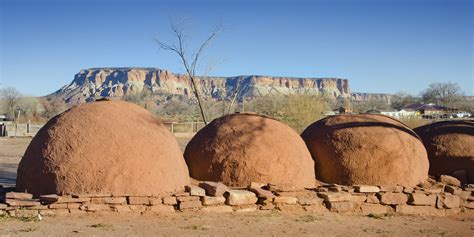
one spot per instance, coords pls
(93, 83)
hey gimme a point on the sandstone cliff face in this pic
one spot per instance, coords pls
(93, 83)
(364, 97)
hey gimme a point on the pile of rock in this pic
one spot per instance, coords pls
(432, 198)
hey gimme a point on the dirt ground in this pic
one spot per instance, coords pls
(261, 223)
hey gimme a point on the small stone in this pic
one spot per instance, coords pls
(366, 189)
(54, 198)
(408, 190)
(449, 180)
(115, 200)
(182, 194)
(95, 207)
(393, 198)
(420, 199)
(3, 206)
(260, 192)
(58, 206)
(138, 208)
(469, 205)
(213, 189)
(464, 195)
(309, 201)
(340, 206)
(18, 195)
(392, 189)
(206, 200)
(419, 210)
(138, 201)
(283, 188)
(195, 190)
(434, 190)
(468, 187)
(159, 209)
(335, 197)
(451, 189)
(240, 197)
(189, 205)
(285, 200)
(187, 199)
(170, 201)
(372, 198)
(358, 198)
(451, 201)
(156, 201)
(22, 202)
(217, 209)
(73, 205)
(91, 195)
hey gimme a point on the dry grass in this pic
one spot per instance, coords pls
(414, 122)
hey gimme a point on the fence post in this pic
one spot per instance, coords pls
(172, 127)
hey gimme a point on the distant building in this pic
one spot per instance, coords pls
(401, 114)
(426, 109)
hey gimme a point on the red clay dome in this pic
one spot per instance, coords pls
(366, 149)
(241, 148)
(107, 147)
(450, 146)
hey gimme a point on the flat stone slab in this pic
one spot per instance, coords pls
(335, 197)
(206, 200)
(393, 198)
(195, 190)
(285, 200)
(260, 192)
(240, 197)
(17, 195)
(421, 199)
(366, 189)
(213, 189)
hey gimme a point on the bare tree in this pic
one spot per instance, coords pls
(189, 62)
(10, 97)
(234, 94)
(446, 94)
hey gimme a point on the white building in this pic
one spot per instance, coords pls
(401, 114)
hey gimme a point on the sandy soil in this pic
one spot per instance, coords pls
(11, 151)
(260, 223)
(242, 224)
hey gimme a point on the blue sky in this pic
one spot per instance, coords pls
(379, 45)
